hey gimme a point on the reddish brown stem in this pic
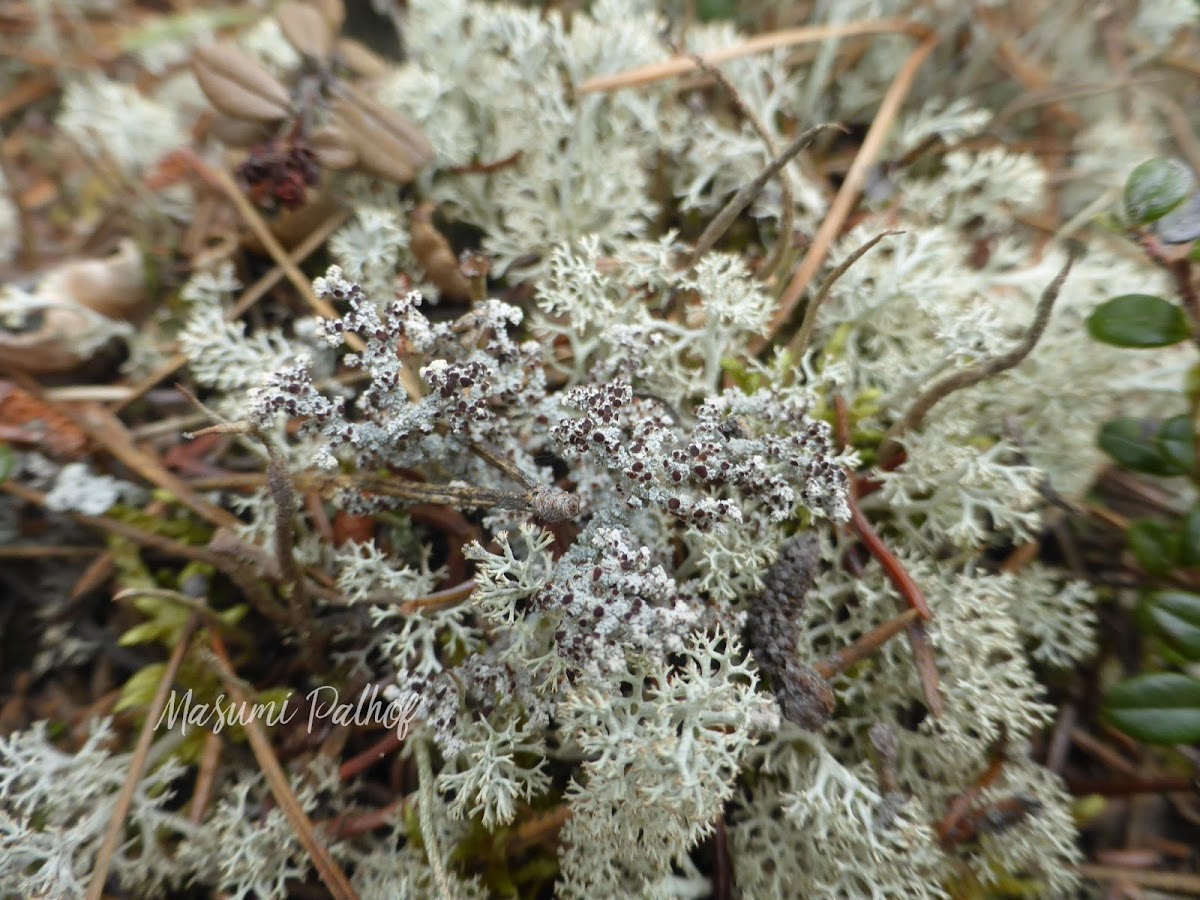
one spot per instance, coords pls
(892, 567)
(356, 765)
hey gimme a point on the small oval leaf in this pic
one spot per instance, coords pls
(1189, 537)
(1155, 546)
(1138, 320)
(1176, 616)
(1155, 188)
(1130, 443)
(1181, 224)
(305, 28)
(1176, 440)
(1162, 708)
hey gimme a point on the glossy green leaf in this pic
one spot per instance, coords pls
(1189, 537)
(1162, 708)
(1130, 443)
(1176, 441)
(1155, 546)
(1176, 616)
(1155, 188)
(1138, 320)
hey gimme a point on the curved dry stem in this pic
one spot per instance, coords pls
(983, 370)
(849, 193)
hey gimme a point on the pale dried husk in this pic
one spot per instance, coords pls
(239, 85)
(306, 29)
(389, 145)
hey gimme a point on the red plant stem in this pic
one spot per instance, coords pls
(356, 765)
(892, 567)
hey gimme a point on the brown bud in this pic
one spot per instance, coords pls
(305, 28)
(239, 85)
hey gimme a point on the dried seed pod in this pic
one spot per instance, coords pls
(234, 132)
(388, 144)
(435, 255)
(239, 85)
(305, 28)
(332, 11)
(333, 148)
(360, 59)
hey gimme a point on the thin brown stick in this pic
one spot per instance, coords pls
(44, 552)
(892, 567)
(137, 765)
(1182, 882)
(1110, 788)
(356, 765)
(850, 190)
(537, 830)
(354, 824)
(331, 873)
(788, 217)
(121, 529)
(800, 342)
(788, 37)
(867, 645)
(984, 369)
(438, 600)
(206, 778)
(746, 194)
(110, 433)
(222, 181)
(251, 296)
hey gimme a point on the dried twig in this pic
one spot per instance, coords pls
(537, 830)
(984, 369)
(924, 657)
(206, 778)
(249, 297)
(1181, 882)
(866, 645)
(746, 194)
(116, 825)
(799, 344)
(109, 432)
(356, 765)
(331, 873)
(788, 211)
(788, 37)
(848, 195)
(279, 482)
